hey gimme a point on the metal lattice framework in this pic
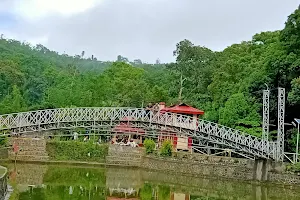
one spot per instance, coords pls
(266, 118)
(205, 132)
(280, 132)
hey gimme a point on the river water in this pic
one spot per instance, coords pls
(53, 182)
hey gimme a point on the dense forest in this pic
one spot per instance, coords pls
(227, 85)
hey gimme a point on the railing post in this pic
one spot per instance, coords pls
(150, 118)
(38, 116)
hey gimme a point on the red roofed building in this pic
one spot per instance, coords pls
(180, 142)
(181, 109)
(132, 133)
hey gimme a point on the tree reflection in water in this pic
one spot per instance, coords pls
(66, 183)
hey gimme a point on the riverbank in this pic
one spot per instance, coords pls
(197, 165)
(102, 182)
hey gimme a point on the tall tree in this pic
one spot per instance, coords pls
(13, 102)
(193, 69)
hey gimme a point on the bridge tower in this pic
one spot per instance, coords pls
(266, 115)
(280, 131)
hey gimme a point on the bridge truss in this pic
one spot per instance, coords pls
(205, 134)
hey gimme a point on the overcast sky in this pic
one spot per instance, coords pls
(144, 29)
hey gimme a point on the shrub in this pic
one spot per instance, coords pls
(74, 150)
(164, 192)
(166, 149)
(146, 192)
(3, 141)
(293, 167)
(149, 144)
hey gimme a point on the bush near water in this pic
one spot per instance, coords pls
(149, 145)
(73, 150)
(166, 148)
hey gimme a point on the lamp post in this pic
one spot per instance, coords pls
(297, 144)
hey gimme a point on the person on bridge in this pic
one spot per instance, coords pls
(75, 136)
(86, 138)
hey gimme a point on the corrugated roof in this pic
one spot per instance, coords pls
(127, 128)
(183, 109)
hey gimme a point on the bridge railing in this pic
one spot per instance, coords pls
(217, 132)
(212, 129)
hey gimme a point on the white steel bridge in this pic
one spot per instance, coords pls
(205, 134)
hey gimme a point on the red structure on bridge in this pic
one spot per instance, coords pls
(180, 142)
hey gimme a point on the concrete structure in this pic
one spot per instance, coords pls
(124, 156)
(3, 183)
(28, 149)
(201, 165)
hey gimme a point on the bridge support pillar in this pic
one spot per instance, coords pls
(261, 169)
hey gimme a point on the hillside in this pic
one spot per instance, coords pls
(227, 85)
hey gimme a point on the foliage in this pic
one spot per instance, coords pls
(291, 137)
(293, 167)
(149, 144)
(73, 150)
(290, 35)
(3, 141)
(146, 192)
(14, 195)
(237, 111)
(294, 95)
(164, 192)
(227, 85)
(13, 102)
(166, 148)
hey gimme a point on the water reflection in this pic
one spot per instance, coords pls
(43, 182)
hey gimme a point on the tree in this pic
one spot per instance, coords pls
(126, 85)
(157, 61)
(240, 113)
(122, 59)
(294, 95)
(10, 74)
(193, 69)
(157, 94)
(290, 35)
(137, 62)
(82, 54)
(13, 102)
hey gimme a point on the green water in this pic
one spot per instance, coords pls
(44, 182)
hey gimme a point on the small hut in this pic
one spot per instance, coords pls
(180, 142)
(125, 131)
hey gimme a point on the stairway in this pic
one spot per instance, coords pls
(124, 155)
(30, 149)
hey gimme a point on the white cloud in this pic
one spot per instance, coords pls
(144, 29)
(37, 9)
